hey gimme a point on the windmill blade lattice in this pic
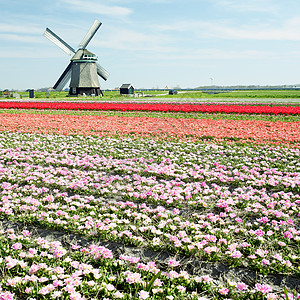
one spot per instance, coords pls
(64, 78)
(50, 35)
(96, 25)
(102, 72)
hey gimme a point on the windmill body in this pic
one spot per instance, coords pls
(84, 77)
(83, 70)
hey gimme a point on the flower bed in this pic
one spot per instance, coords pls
(252, 109)
(38, 268)
(211, 202)
(247, 131)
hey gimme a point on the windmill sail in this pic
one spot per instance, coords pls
(90, 34)
(102, 72)
(50, 35)
(64, 78)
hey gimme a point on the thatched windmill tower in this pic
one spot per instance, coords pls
(83, 70)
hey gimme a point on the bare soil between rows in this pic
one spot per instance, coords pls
(220, 272)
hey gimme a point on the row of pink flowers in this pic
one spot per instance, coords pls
(34, 271)
(32, 171)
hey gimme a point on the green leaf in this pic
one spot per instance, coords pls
(286, 293)
(150, 284)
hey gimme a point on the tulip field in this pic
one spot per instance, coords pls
(112, 206)
(163, 107)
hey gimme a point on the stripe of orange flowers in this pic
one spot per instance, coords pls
(244, 130)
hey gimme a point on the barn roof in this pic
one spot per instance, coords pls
(126, 86)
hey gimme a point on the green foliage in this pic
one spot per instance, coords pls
(192, 94)
(42, 95)
(259, 94)
(238, 94)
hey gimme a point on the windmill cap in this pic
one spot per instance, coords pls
(84, 54)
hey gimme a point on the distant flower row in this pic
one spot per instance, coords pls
(163, 107)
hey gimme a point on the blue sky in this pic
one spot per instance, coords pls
(154, 43)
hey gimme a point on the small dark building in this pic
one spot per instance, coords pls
(31, 93)
(126, 89)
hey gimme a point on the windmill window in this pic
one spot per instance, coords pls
(89, 56)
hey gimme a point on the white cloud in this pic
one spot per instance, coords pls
(20, 38)
(216, 54)
(143, 1)
(97, 8)
(131, 40)
(289, 30)
(20, 34)
(159, 1)
(29, 53)
(13, 28)
(268, 6)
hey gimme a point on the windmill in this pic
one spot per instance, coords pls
(83, 67)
